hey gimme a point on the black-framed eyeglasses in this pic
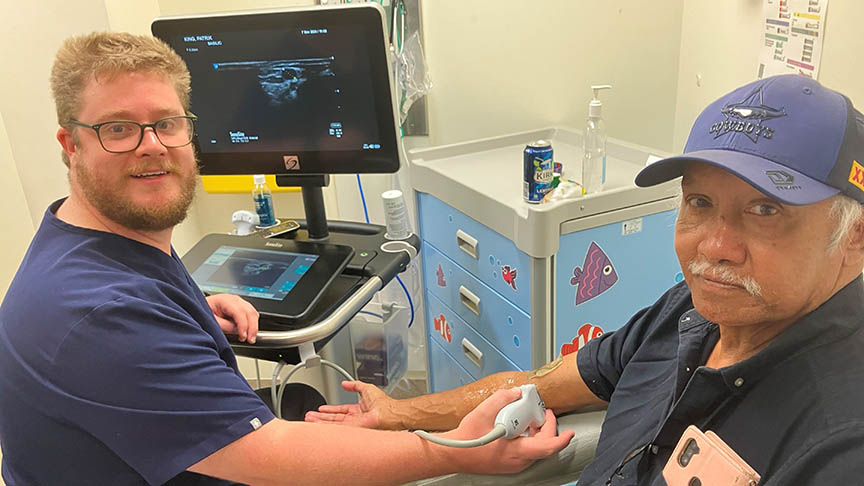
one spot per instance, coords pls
(119, 136)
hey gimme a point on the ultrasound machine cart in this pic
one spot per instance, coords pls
(301, 93)
(375, 262)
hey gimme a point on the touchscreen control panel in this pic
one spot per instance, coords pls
(252, 273)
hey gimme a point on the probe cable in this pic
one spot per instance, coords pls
(496, 433)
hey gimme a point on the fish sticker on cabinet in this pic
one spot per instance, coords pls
(585, 333)
(440, 274)
(595, 276)
(509, 275)
(443, 328)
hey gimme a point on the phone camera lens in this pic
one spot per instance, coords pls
(690, 450)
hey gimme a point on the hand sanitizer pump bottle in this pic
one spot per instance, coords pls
(263, 198)
(594, 144)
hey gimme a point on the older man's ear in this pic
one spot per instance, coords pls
(857, 237)
(855, 245)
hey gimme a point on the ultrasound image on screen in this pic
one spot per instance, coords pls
(281, 90)
(281, 80)
(248, 269)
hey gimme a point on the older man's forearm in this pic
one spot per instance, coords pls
(559, 384)
(444, 411)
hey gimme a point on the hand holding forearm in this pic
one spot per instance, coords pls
(559, 384)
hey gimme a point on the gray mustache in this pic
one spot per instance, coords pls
(725, 274)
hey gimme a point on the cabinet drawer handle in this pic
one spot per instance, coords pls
(469, 300)
(472, 353)
(467, 243)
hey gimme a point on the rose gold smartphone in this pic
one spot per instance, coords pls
(705, 460)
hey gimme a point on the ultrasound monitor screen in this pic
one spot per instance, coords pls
(252, 273)
(302, 102)
(304, 91)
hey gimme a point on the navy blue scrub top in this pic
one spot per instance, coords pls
(113, 369)
(794, 411)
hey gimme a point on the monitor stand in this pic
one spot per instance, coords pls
(313, 201)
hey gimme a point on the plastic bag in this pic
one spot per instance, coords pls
(566, 189)
(411, 74)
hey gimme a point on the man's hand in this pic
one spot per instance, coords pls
(374, 404)
(235, 316)
(505, 456)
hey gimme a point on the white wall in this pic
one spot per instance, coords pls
(30, 33)
(184, 7)
(15, 217)
(500, 66)
(31, 173)
(134, 17)
(719, 43)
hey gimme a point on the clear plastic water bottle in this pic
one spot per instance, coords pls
(594, 158)
(263, 198)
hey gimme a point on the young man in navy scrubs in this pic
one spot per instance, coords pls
(114, 369)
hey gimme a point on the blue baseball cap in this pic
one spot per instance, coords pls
(788, 136)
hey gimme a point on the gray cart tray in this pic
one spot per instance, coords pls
(483, 178)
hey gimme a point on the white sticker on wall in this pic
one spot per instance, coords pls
(651, 159)
(631, 226)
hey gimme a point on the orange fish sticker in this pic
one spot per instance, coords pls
(585, 333)
(443, 328)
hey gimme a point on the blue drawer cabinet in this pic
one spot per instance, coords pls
(605, 276)
(511, 285)
(500, 321)
(465, 345)
(476, 248)
(474, 318)
(444, 373)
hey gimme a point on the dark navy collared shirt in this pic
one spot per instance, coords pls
(794, 411)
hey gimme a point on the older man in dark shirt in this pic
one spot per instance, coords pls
(762, 343)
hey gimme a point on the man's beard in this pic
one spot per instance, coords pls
(117, 208)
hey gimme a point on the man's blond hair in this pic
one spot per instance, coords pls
(83, 58)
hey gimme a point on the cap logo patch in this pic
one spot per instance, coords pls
(856, 176)
(782, 180)
(746, 117)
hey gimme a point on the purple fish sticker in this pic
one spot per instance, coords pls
(595, 276)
